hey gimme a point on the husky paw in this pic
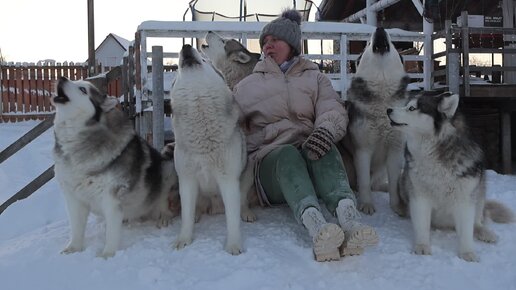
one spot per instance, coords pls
(485, 235)
(72, 249)
(181, 243)
(399, 209)
(469, 257)
(163, 221)
(106, 254)
(234, 249)
(248, 216)
(422, 249)
(367, 208)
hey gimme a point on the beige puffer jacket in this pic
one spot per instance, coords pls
(284, 108)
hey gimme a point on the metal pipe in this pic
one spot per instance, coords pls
(375, 8)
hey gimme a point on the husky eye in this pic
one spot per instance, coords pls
(411, 108)
(83, 89)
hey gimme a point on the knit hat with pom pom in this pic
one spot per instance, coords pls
(287, 28)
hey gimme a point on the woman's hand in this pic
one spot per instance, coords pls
(318, 143)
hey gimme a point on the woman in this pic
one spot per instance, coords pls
(292, 119)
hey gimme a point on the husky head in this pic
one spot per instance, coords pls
(80, 101)
(191, 62)
(220, 49)
(380, 55)
(425, 114)
(230, 57)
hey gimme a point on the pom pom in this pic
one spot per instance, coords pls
(293, 15)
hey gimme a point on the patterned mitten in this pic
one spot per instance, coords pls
(318, 143)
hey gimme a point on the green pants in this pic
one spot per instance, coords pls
(287, 175)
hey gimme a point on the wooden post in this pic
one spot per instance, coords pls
(138, 83)
(509, 77)
(465, 53)
(343, 66)
(29, 188)
(452, 62)
(91, 39)
(131, 81)
(158, 138)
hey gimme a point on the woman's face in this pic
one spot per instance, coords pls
(276, 48)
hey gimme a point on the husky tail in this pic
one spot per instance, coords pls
(498, 212)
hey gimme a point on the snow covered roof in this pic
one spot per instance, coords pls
(124, 43)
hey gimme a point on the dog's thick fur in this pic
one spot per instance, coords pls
(103, 167)
(443, 178)
(380, 82)
(230, 57)
(210, 151)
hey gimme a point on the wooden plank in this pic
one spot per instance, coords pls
(26, 139)
(46, 89)
(39, 88)
(66, 71)
(5, 90)
(11, 90)
(25, 90)
(19, 90)
(33, 93)
(30, 188)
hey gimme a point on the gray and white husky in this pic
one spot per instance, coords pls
(443, 178)
(210, 150)
(380, 82)
(103, 167)
(230, 57)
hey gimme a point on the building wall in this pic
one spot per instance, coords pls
(109, 54)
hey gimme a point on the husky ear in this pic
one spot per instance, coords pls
(448, 105)
(242, 57)
(109, 103)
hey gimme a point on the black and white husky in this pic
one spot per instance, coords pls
(443, 177)
(103, 167)
(380, 82)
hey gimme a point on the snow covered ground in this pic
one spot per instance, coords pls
(278, 250)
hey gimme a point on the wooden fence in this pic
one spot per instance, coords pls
(25, 89)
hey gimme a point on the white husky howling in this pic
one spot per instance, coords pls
(210, 152)
(443, 178)
(380, 82)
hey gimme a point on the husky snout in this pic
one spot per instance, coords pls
(61, 97)
(380, 41)
(187, 56)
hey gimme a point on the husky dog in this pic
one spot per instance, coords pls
(103, 167)
(380, 82)
(230, 57)
(443, 177)
(235, 63)
(210, 153)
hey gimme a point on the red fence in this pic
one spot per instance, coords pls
(25, 89)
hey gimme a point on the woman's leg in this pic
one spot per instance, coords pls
(331, 184)
(330, 179)
(284, 178)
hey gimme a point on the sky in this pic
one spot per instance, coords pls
(33, 30)
(278, 253)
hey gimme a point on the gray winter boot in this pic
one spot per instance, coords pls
(357, 235)
(327, 237)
